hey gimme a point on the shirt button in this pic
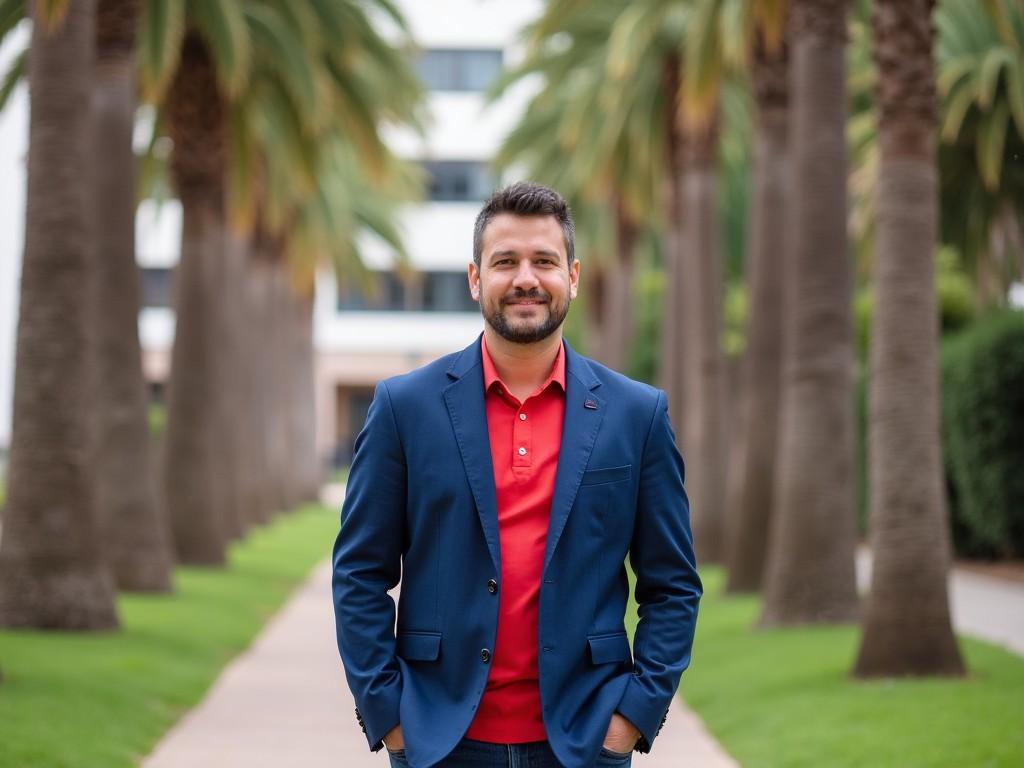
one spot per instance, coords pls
(522, 451)
(522, 417)
(485, 655)
(492, 586)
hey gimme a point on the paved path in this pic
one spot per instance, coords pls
(284, 702)
(982, 606)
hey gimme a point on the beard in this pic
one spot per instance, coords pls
(526, 331)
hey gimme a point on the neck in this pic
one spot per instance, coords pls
(523, 367)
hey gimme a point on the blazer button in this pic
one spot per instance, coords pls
(485, 655)
(492, 586)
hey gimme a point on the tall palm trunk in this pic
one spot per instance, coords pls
(195, 112)
(907, 628)
(52, 574)
(703, 436)
(223, 309)
(240, 321)
(136, 541)
(752, 478)
(305, 469)
(620, 303)
(810, 572)
(671, 353)
(595, 285)
(257, 299)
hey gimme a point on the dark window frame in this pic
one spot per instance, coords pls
(452, 70)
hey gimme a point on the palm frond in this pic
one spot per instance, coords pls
(223, 27)
(12, 13)
(161, 31)
(16, 73)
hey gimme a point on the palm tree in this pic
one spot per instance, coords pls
(609, 175)
(980, 57)
(320, 64)
(656, 40)
(752, 479)
(810, 570)
(134, 534)
(907, 628)
(51, 571)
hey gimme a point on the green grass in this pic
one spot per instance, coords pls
(103, 700)
(785, 698)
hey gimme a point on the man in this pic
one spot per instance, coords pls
(506, 484)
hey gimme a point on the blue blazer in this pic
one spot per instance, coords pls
(421, 506)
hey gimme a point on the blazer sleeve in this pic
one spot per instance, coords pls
(367, 563)
(668, 588)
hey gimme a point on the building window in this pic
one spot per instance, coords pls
(425, 292)
(459, 70)
(156, 286)
(458, 180)
(387, 293)
(447, 292)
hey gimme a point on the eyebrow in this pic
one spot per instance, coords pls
(541, 252)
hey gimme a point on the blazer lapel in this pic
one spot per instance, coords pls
(584, 412)
(465, 400)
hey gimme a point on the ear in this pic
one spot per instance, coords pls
(473, 274)
(574, 278)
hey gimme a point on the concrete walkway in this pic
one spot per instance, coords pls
(284, 702)
(985, 607)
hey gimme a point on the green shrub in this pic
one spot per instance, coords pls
(983, 434)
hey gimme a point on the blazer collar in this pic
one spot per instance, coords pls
(575, 364)
(584, 411)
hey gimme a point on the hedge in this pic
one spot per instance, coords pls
(983, 435)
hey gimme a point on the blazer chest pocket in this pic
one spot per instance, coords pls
(418, 646)
(605, 649)
(608, 475)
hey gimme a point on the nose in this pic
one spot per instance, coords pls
(525, 277)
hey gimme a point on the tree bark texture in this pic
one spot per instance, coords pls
(134, 533)
(257, 296)
(907, 626)
(620, 309)
(195, 114)
(752, 477)
(52, 574)
(704, 382)
(671, 353)
(305, 467)
(810, 571)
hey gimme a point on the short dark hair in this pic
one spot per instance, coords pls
(525, 198)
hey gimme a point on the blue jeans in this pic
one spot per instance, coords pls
(536, 754)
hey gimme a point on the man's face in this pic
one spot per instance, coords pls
(524, 283)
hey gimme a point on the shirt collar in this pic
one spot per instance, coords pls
(557, 375)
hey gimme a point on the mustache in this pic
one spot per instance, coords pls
(535, 294)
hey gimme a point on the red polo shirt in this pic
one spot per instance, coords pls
(525, 441)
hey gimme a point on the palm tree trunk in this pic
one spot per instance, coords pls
(907, 628)
(595, 284)
(196, 120)
(136, 540)
(671, 363)
(810, 571)
(52, 575)
(703, 435)
(223, 308)
(257, 308)
(275, 362)
(620, 303)
(301, 394)
(752, 478)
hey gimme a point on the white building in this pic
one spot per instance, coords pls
(463, 44)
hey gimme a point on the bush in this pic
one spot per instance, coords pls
(983, 424)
